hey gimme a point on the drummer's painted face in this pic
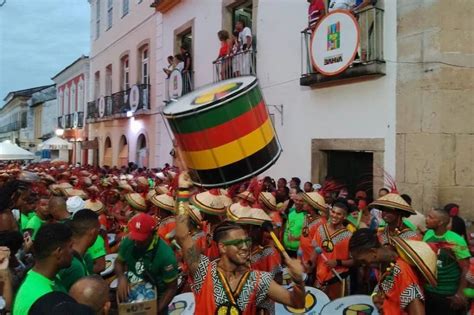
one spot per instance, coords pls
(238, 254)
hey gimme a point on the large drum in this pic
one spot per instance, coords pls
(224, 132)
(314, 302)
(351, 305)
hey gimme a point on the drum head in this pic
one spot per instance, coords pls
(109, 265)
(208, 95)
(314, 302)
(182, 304)
(351, 305)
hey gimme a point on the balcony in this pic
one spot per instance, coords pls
(136, 99)
(164, 6)
(242, 63)
(60, 122)
(368, 63)
(14, 126)
(174, 90)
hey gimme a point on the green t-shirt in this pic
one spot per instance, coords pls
(33, 287)
(34, 224)
(156, 265)
(293, 228)
(24, 219)
(449, 271)
(97, 249)
(80, 267)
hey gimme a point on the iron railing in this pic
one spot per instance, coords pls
(370, 45)
(242, 63)
(118, 104)
(14, 126)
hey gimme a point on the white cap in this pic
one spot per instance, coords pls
(75, 204)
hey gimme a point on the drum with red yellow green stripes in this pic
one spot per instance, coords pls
(224, 132)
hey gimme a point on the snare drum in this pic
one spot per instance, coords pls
(224, 132)
(182, 304)
(314, 302)
(351, 305)
(109, 265)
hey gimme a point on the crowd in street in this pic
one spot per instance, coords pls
(80, 239)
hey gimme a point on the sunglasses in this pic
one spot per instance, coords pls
(239, 243)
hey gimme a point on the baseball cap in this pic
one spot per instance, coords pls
(141, 227)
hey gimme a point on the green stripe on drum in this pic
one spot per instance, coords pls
(217, 115)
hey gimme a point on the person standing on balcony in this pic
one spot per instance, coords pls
(316, 10)
(341, 5)
(188, 68)
(170, 66)
(224, 51)
(234, 52)
(245, 39)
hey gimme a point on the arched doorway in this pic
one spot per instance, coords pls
(142, 151)
(107, 152)
(123, 151)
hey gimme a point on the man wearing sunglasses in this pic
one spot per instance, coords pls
(228, 284)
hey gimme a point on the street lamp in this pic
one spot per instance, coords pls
(59, 132)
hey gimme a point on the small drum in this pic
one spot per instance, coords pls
(109, 265)
(224, 132)
(351, 305)
(314, 303)
(182, 304)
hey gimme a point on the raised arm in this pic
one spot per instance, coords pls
(296, 297)
(191, 253)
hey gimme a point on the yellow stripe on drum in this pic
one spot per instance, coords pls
(231, 152)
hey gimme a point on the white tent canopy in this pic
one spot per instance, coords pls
(10, 151)
(55, 143)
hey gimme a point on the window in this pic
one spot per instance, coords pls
(125, 7)
(110, 8)
(145, 76)
(24, 116)
(80, 96)
(66, 101)
(73, 99)
(125, 73)
(108, 80)
(97, 19)
(97, 85)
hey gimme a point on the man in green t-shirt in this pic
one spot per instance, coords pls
(38, 219)
(97, 253)
(294, 226)
(53, 251)
(144, 256)
(453, 262)
(85, 228)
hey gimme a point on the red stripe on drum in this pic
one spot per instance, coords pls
(226, 132)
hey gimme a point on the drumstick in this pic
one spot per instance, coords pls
(267, 226)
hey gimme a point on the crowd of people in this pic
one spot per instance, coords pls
(236, 249)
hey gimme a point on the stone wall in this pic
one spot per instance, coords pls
(435, 103)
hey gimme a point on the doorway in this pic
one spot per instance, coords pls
(354, 169)
(142, 151)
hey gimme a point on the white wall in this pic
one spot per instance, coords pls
(49, 116)
(206, 19)
(358, 110)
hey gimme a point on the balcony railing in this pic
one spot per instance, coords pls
(14, 126)
(368, 63)
(242, 63)
(118, 104)
(188, 85)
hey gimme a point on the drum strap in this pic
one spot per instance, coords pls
(233, 295)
